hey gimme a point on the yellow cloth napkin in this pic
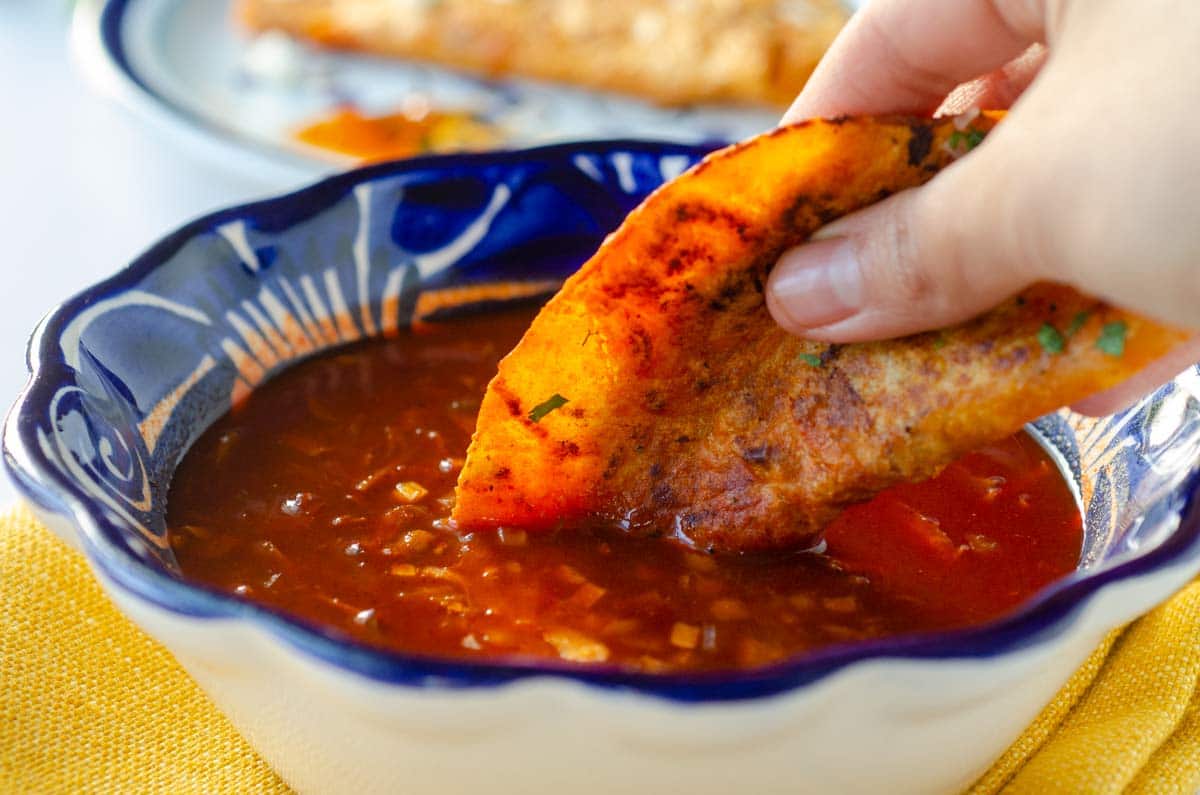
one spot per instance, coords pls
(90, 704)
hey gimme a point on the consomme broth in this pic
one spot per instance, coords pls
(326, 496)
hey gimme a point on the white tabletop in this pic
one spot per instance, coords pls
(84, 187)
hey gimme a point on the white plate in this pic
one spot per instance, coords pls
(185, 67)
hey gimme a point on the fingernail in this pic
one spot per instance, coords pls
(815, 284)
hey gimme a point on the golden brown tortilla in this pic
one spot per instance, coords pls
(656, 390)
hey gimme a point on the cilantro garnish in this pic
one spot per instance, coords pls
(811, 359)
(555, 401)
(1112, 338)
(1050, 340)
(969, 139)
(1076, 324)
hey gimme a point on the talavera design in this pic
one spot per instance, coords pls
(127, 374)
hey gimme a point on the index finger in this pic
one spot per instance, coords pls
(905, 56)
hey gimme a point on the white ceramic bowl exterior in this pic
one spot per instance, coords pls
(896, 726)
(127, 374)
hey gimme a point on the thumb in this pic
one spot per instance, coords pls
(922, 259)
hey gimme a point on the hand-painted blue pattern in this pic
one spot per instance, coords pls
(126, 375)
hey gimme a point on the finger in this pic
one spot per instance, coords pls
(904, 56)
(998, 89)
(922, 259)
(1129, 392)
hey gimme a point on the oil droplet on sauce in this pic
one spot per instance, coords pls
(326, 496)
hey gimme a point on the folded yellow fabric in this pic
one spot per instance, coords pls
(90, 704)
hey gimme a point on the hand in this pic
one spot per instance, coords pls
(1093, 179)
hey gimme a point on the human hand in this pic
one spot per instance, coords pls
(1093, 179)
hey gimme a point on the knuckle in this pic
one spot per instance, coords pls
(907, 279)
(1021, 235)
(907, 71)
(1026, 19)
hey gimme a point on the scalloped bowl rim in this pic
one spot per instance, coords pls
(1057, 607)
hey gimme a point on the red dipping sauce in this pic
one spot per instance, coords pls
(326, 496)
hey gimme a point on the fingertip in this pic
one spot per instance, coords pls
(889, 59)
(815, 285)
(1104, 404)
(794, 114)
(1129, 392)
(804, 107)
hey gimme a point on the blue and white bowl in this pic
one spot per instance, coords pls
(126, 375)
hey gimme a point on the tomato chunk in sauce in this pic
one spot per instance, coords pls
(326, 496)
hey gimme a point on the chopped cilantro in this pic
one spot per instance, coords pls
(1112, 338)
(811, 359)
(1076, 324)
(940, 341)
(555, 401)
(1050, 340)
(969, 139)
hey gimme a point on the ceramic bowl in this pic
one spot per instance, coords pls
(126, 375)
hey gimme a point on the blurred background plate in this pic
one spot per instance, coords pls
(186, 67)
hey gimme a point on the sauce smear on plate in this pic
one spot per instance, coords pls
(326, 496)
(373, 139)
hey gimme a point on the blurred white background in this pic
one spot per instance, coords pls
(84, 186)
